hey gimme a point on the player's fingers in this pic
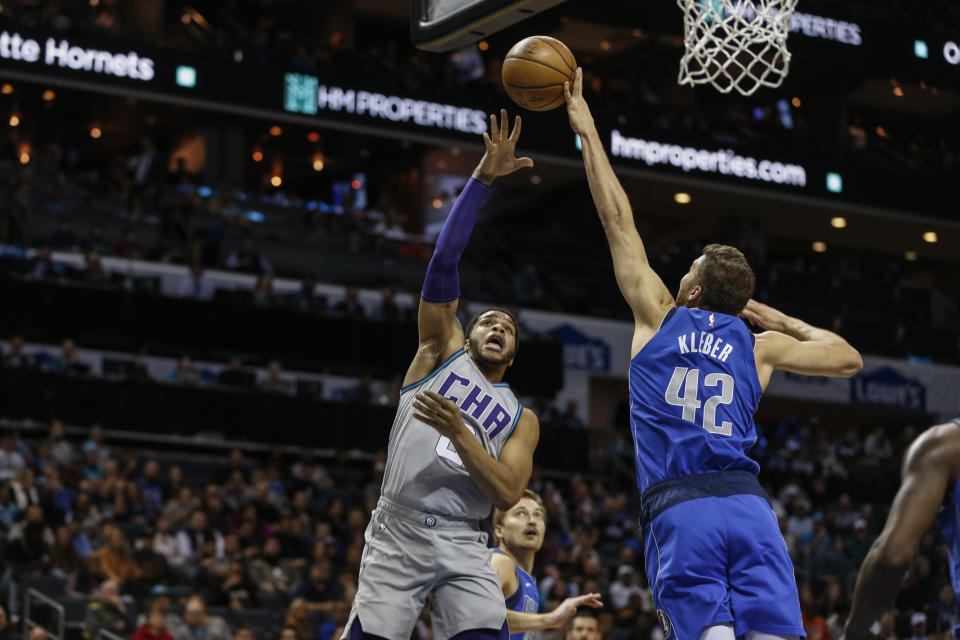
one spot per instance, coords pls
(503, 124)
(494, 130)
(486, 140)
(525, 162)
(425, 420)
(516, 129)
(424, 408)
(436, 401)
(566, 90)
(578, 81)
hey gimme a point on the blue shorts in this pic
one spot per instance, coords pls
(719, 560)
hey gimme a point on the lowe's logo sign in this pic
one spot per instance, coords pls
(580, 351)
(887, 386)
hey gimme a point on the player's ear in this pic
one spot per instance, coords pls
(695, 294)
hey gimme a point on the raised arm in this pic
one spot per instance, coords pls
(793, 345)
(642, 288)
(440, 332)
(927, 471)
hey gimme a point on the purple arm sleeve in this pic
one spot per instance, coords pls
(442, 283)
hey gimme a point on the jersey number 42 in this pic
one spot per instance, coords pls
(687, 381)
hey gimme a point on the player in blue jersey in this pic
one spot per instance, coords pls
(715, 558)
(519, 534)
(930, 490)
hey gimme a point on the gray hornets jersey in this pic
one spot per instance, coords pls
(423, 470)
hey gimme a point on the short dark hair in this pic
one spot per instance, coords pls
(506, 312)
(583, 612)
(726, 279)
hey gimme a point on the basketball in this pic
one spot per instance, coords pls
(534, 72)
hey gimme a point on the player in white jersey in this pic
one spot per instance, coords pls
(460, 443)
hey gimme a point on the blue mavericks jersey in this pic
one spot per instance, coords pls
(526, 599)
(949, 519)
(693, 392)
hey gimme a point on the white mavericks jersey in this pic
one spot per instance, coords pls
(423, 470)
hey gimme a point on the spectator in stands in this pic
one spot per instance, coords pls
(9, 511)
(150, 485)
(15, 358)
(93, 270)
(66, 362)
(148, 173)
(570, 417)
(859, 544)
(350, 305)
(306, 299)
(200, 625)
(24, 490)
(165, 543)
(190, 541)
(389, 310)
(96, 240)
(115, 561)
(275, 381)
(918, 626)
(128, 246)
(237, 590)
(95, 442)
(65, 561)
(236, 375)
(272, 573)
(64, 237)
(263, 291)
(154, 629)
(361, 393)
(243, 632)
(195, 284)
(37, 633)
(10, 459)
(109, 611)
(248, 259)
(186, 372)
(298, 617)
(624, 587)
(877, 445)
(319, 591)
(91, 469)
(61, 448)
(44, 267)
(528, 286)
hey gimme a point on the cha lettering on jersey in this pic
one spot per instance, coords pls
(471, 399)
(704, 343)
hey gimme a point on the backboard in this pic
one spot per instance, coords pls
(445, 25)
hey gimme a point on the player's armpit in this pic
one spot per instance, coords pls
(440, 337)
(508, 573)
(776, 350)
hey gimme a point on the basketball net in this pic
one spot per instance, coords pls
(735, 44)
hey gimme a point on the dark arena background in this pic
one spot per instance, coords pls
(215, 220)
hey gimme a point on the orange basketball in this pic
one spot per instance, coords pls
(534, 72)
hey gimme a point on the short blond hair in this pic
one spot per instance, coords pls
(499, 514)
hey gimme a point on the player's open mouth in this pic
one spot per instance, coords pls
(495, 342)
(531, 534)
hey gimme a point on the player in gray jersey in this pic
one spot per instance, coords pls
(460, 443)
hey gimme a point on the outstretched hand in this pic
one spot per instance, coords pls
(577, 109)
(568, 608)
(499, 159)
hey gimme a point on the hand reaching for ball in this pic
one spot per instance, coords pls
(577, 110)
(499, 159)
